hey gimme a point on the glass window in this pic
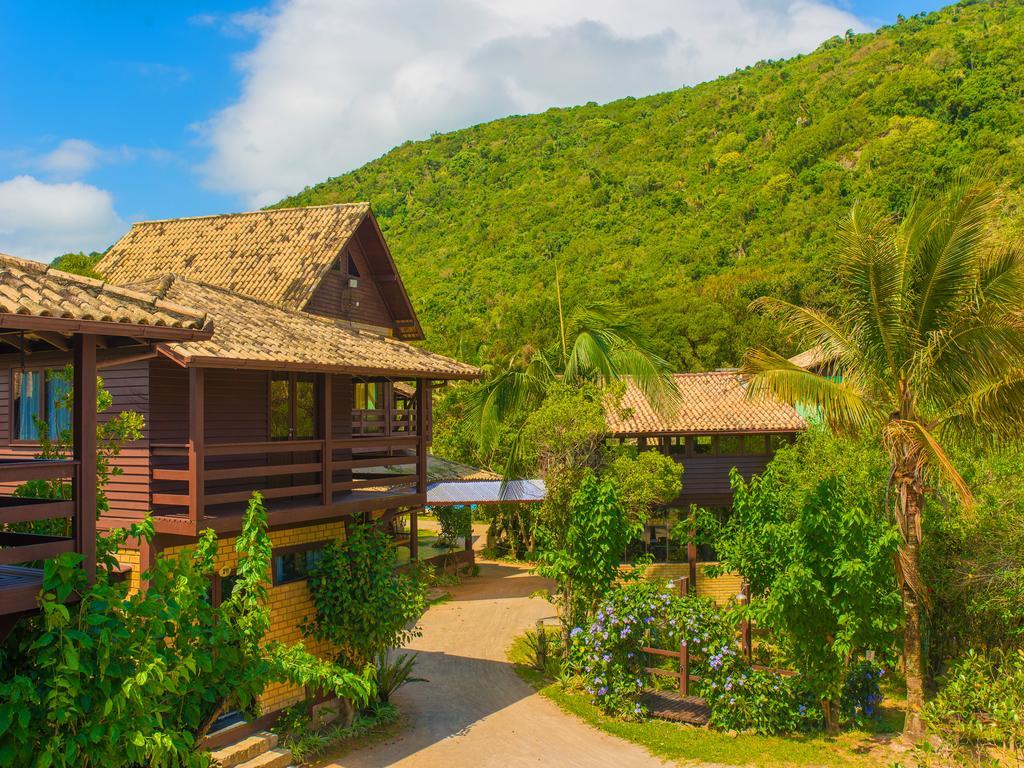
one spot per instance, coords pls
(702, 444)
(730, 445)
(677, 446)
(367, 395)
(42, 396)
(296, 566)
(280, 407)
(305, 406)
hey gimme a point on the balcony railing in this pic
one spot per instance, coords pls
(300, 479)
(380, 421)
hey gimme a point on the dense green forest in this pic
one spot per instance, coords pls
(684, 206)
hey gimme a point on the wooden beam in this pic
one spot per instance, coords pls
(55, 340)
(196, 445)
(414, 536)
(83, 429)
(422, 404)
(327, 435)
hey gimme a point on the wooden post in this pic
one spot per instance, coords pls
(414, 536)
(684, 586)
(422, 406)
(196, 445)
(691, 557)
(745, 638)
(684, 669)
(83, 430)
(327, 433)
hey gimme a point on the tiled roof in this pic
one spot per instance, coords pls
(257, 334)
(708, 403)
(278, 256)
(29, 288)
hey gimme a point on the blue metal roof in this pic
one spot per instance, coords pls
(453, 493)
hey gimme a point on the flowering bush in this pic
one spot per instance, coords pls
(742, 698)
(607, 655)
(862, 692)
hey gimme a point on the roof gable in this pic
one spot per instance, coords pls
(278, 256)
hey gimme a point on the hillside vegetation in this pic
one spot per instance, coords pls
(684, 206)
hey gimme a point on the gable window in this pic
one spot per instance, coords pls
(296, 563)
(42, 395)
(293, 406)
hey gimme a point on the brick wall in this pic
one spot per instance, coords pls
(289, 603)
(720, 589)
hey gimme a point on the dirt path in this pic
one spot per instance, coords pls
(475, 712)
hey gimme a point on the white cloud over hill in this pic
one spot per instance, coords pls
(331, 84)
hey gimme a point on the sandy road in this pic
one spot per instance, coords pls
(475, 712)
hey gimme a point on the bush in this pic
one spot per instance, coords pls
(394, 671)
(746, 699)
(362, 606)
(456, 525)
(981, 702)
(862, 693)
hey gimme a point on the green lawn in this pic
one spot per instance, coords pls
(858, 749)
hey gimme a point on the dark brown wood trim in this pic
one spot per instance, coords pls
(97, 327)
(83, 427)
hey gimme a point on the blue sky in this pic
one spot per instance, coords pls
(121, 111)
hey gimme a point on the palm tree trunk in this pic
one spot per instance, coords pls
(911, 502)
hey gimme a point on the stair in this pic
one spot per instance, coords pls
(257, 751)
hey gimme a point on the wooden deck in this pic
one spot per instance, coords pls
(669, 705)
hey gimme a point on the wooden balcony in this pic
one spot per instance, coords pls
(301, 480)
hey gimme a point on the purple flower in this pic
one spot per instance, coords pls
(602, 691)
(575, 631)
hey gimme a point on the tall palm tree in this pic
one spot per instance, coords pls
(930, 344)
(597, 343)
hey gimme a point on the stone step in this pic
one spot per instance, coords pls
(234, 755)
(272, 758)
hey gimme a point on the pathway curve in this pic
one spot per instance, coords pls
(475, 712)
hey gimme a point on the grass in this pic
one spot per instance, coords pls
(687, 744)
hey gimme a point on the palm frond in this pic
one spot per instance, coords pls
(994, 409)
(924, 445)
(509, 392)
(839, 403)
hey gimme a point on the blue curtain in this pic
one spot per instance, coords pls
(58, 418)
(27, 402)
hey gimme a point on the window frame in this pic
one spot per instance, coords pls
(11, 410)
(292, 378)
(293, 549)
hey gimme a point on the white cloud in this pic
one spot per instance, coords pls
(331, 84)
(40, 220)
(72, 157)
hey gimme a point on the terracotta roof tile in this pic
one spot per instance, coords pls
(30, 288)
(259, 334)
(277, 256)
(708, 403)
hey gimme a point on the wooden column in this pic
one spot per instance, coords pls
(684, 669)
(327, 433)
(745, 638)
(83, 430)
(691, 553)
(422, 406)
(196, 444)
(414, 537)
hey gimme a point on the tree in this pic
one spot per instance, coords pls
(596, 345)
(79, 264)
(813, 540)
(362, 605)
(929, 343)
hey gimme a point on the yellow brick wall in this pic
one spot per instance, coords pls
(129, 558)
(720, 589)
(289, 603)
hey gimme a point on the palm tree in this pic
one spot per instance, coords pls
(930, 345)
(596, 343)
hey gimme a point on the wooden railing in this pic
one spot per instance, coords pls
(298, 472)
(19, 547)
(380, 421)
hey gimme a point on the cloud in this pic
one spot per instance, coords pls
(39, 220)
(331, 84)
(72, 157)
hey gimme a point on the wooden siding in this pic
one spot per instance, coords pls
(364, 304)
(706, 478)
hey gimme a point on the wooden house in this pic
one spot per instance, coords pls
(293, 395)
(64, 319)
(712, 427)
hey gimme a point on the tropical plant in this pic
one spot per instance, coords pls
(393, 671)
(362, 605)
(929, 343)
(456, 524)
(122, 678)
(596, 345)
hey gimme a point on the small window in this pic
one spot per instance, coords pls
(677, 446)
(777, 441)
(730, 445)
(702, 445)
(756, 445)
(350, 266)
(40, 396)
(297, 565)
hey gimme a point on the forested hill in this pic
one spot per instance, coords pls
(686, 205)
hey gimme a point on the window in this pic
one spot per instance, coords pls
(676, 446)
(293, 406)
(777, 441)
(756, 445)
(730, 445)
(296, 564)
(367, 395)
(40, 395)
(702, 445)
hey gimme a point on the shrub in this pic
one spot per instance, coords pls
(362, 606)
(456, 524)
(742, 699)
(394, 671)
(862, 693)
(981, 701)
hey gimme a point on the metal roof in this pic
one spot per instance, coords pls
(447, 494)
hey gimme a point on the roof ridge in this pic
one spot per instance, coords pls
(362, 203)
